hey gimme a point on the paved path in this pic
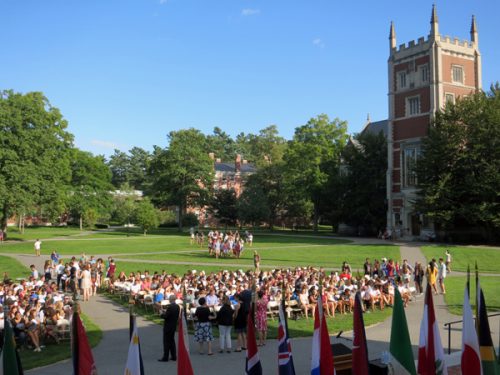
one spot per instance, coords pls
(110, 354)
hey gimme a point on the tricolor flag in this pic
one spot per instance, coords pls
(430, 350)
(486, 349)
(83, 361)
(471, 359)
(184, 366)
(322, 358)
(134, 359)
(285, 359)
(402, 361)
(9, 358)
(252, 365)
(359, 348)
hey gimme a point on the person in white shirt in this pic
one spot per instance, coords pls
(37, 245)
(442, 275)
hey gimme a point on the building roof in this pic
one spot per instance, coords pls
(230, 167)
(376, 127)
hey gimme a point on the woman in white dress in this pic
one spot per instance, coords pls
(86, 283)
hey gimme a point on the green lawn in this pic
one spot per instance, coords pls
(488, 258)
(288, 255)
(40, 232)
(455, 292)
(53, 353)
(13, 268)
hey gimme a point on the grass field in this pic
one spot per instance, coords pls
(13, 267)
(488, 259)
(455, 292)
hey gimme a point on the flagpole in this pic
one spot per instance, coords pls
(468, 280)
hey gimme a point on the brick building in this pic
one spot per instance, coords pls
(424, 75)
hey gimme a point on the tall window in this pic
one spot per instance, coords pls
(424, 73)
(402, 80)
(458, 74)
(412, 105)
(449, 98)
(410, 156)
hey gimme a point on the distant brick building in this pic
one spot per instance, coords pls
(424, 75)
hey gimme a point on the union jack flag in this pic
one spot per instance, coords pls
(285, 359)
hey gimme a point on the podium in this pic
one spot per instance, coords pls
(342, 355)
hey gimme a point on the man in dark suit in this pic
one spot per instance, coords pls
(171, 317)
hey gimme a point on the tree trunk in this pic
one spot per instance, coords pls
(145, 231)
(316, 217)
(3, 222)
(179, 228)
(81, 223)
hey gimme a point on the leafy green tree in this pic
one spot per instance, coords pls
(130, 168)
(311, 155)
(269, 180)
(90, 185)
(34, 154)
(360, 192)
(223, 206)
(124, 204)
(146, 216)
(182, 174)
(264, 148)
(459, 170)
(221, 144)
(253, 206)
(119, 165)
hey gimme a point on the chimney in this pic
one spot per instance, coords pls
(237, 163)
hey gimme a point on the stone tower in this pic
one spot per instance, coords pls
(424, 75)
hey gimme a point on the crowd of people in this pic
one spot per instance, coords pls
(222, 244)
(40, 305)
(225, 297)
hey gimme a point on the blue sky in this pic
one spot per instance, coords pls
(126, 72)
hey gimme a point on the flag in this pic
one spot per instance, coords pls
(134, 359)
(322, 357)
(471, 359)
(184, 366)
(285, 359)
(132, 324)
(486, 349)
(359, 348)
(430, 350)
(402, 361)
(9, 358)
(83, 361)
(253, 365)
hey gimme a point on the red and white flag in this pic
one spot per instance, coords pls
(183, 361)
(471, 359)
(430, 350)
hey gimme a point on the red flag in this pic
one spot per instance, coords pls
(430, 349)
(253, 365)
(471, 359)
(325, 353)
(83, 361)
(359, 348)
(183, 361)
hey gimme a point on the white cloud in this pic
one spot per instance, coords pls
(318, 42)
(249, 12)
(104, 144)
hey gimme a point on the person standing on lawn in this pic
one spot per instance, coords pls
(37, 245)
(442, 275)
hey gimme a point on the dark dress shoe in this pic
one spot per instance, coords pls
(173, 359)
(163, 360)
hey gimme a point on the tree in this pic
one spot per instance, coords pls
(34, 154)
(253, 206)
(313, 152)
(90, 185)
(459, 170)
(130, 168)
(223, 206)
(360, 192)
(146, 216)
(268, 180)
(264, 148)
(182, 174)
(124, 205)
(221, 144)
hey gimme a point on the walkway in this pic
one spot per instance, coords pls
(110, 354)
